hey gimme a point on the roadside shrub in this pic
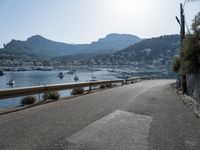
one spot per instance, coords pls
(191, 49)
(103, 86)
(176, 65)
(108, 85)
(28, 100)
(114, 85)
(53, 95)
(190, 59)
(77, 91)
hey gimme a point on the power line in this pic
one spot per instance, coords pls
(187, 27)
(186, 1)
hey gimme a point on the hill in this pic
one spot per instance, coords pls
(159, 50)
(39, 46)
(112, 43)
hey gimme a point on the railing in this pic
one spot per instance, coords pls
(24, 91)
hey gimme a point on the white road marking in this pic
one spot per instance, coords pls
(117, 131)
(141, 92)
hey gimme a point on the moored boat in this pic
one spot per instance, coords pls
(11, 83)
(70, 72)
(76, 78)
(60, 75)
(94, 69)
(93, 79)
(1, 72)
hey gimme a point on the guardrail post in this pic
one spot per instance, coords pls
(45, 95)
(90, 88)
(131, 81)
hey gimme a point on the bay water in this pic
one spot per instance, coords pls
(34, 78)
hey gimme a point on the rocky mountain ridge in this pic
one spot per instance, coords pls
(44, 48)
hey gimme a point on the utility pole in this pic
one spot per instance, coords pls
(181, 22)
(182, 34)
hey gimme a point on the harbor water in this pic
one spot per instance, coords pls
(33, 78)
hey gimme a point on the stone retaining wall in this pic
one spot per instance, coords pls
(193, 86)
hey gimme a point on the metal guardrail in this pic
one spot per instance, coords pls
(140, 78)
(24, 91)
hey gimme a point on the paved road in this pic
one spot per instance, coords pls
(144, 115)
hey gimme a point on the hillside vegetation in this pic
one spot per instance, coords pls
(38, 46)
(150, 51)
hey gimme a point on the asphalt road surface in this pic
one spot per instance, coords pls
(141, 116)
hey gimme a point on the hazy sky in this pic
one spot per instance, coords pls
(83, 21)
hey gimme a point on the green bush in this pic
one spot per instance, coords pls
(191, 49)
(176, 65)
(28, 100)
(77, 91)
(53, 95)
(108, 85)
(190, 61)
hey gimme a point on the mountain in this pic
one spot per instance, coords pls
(39, 46)
(159, 50)
(112, 43)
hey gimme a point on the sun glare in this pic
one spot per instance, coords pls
(126, 7)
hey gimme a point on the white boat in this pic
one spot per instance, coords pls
(1, 72)
(70, 72)
(94, 69)
(11, 83)
(122, 76)
(76, 78)
(60, 75)
(93, 79)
